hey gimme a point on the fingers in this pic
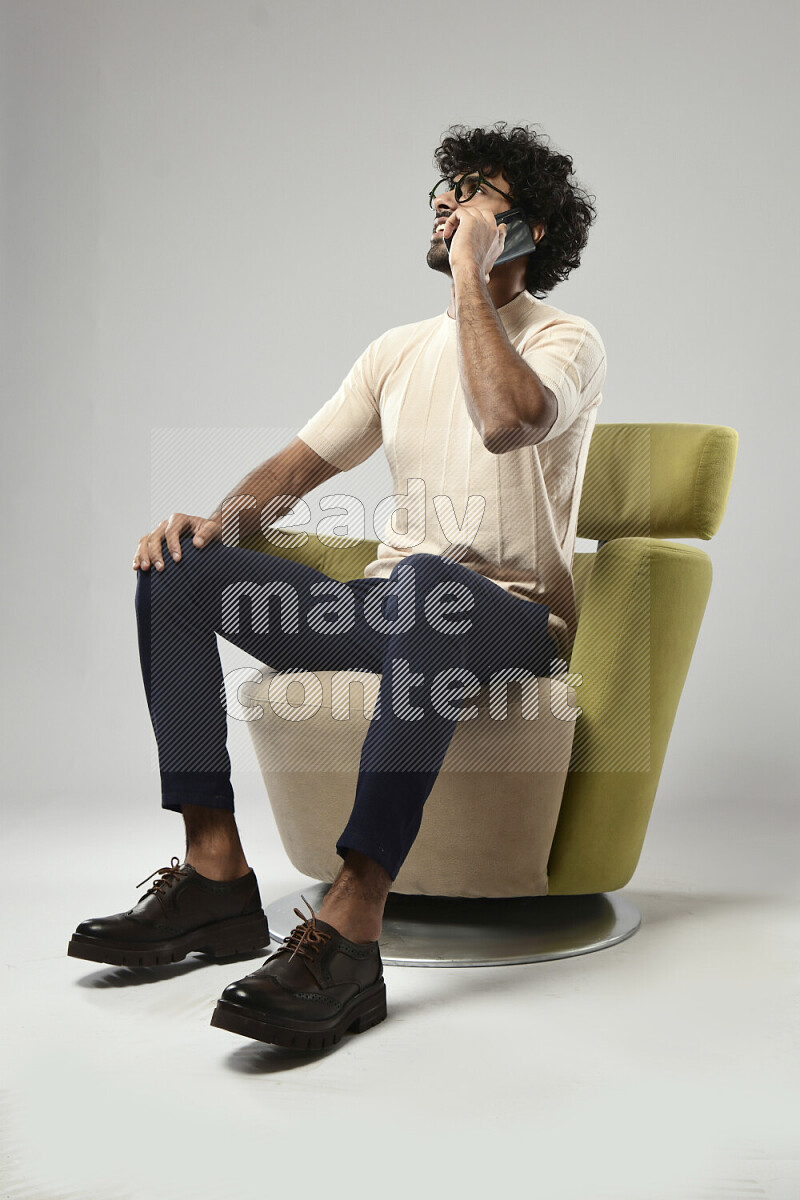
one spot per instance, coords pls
(477, 214)
(154, 546)
(150, 549)
(148, 552)
(204, 531)
(141, 557)
(175, 526)
(452, 223)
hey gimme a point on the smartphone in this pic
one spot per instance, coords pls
(519, 239)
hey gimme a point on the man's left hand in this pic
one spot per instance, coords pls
(478, 239)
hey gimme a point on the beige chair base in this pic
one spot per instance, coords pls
(440, 931)
(489, 821)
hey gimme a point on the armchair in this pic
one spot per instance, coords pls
(532, 825)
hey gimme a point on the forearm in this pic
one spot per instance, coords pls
(264, 495)
(505, 398)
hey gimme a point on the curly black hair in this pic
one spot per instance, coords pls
(539, 182)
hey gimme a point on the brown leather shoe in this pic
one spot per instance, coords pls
(316, 987)
(181, 912)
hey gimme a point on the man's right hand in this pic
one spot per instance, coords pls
(150, 548)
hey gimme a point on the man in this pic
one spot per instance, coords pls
(492, 401)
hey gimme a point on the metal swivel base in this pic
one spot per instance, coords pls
(442, 931)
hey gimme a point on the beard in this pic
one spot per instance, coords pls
(438, 258)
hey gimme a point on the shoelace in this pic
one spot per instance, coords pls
(169, 875)
(305, 939)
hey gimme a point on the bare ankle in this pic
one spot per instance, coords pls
(355, 902)
(354, 926)
(213, 846)
(216, 865)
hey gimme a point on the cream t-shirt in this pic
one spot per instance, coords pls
(510, 516)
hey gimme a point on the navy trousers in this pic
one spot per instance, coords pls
(432, 620)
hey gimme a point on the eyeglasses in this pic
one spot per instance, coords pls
(465, 188)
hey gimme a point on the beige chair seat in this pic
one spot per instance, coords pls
(505, 769)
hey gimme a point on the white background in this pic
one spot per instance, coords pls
(208, 210)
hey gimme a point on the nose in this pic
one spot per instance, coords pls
(449, 196)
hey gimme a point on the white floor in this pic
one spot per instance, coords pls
(665, 1068)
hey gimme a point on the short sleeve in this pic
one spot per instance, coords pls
(347, 429)
(570, 359)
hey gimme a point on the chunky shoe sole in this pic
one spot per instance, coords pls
(366, 1009)
(237, 935)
